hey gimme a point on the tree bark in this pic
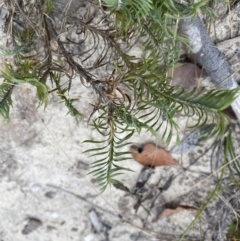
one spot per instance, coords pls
(209, 57)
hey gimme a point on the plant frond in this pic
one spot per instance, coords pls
(230, 154)
(5, 100)
(48, 6)
(106, 167)
(167, 102)
(55, 77)
(26, 75)
(11, 53)
(128, 12)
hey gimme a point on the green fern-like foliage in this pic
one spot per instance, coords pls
(5, 100)
(26, 74)
(6, 87)
(115, 136)
(56, 78)
(154, 108)
(232, 158)
(156, 101)
(133, 94)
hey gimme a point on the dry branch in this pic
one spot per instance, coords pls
(209, 57)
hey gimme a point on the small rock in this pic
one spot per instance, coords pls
(31, 225)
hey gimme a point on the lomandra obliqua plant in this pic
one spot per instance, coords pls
(134, 94)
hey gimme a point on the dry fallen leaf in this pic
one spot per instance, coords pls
(171, 211)
(151, 155)
(230, 113)
(186, 75)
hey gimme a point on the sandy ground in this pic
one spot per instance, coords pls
(46, 194)
(43, 170)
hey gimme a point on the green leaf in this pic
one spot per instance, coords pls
(42, 91)
(120, 186)
(17, 78)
